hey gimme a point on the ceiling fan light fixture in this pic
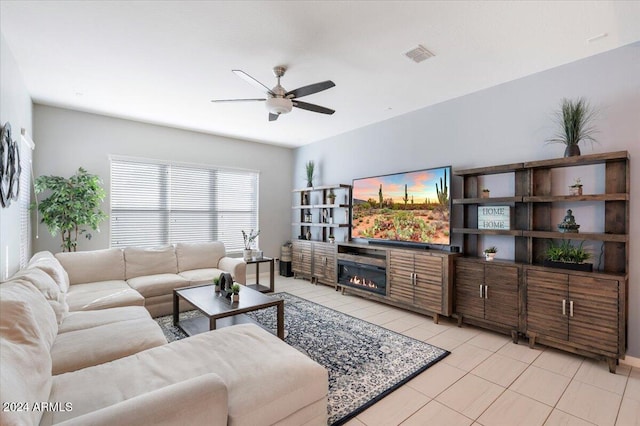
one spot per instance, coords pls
(279, 105)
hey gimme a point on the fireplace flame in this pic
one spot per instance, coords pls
(361, 281)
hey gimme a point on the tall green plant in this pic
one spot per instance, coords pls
(574, 121)
(72, 205)
(310, 168)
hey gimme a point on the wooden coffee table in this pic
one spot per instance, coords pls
(217, 310)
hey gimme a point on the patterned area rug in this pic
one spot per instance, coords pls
(365, 362)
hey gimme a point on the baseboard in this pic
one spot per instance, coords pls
(631, 361)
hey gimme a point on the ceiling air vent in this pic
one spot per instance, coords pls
(419, 54)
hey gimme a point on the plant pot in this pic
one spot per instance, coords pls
(235, 298)
(332, 240)
(217, 288)
(246, 254)
(585, 267)
(575, 190)
(572, 151)
(485, 194)
(489, 256)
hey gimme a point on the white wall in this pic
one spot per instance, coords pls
(504, 124)
(15, 108)
(70, 139)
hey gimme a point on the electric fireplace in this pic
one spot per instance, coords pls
(362, 276)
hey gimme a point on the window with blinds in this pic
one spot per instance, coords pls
(155, 203)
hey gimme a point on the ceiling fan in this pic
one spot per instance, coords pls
(278, 100)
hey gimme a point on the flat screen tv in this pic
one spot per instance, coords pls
(409, 208)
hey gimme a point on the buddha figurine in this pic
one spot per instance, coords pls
(569, 223)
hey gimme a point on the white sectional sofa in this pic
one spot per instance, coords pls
(78, 347)
(141, 276)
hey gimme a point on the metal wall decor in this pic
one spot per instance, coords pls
(9, 167)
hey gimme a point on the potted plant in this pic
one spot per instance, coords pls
(331, 197)
(332, 239)
(216, 283)
(574, 120)
(567, 256)
(248, 242)
(310, 169)
(576, 188)
(235, 293)
(73, 204)
(485, 193)
(490, 253)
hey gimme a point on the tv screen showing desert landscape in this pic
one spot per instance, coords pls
(411, 206)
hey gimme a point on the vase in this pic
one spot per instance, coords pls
(572, 151)
(246, 254)
(575, 190)
(489, 256)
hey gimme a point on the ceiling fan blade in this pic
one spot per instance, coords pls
(236, 100)
(310, 89)
(252, 81)
(273, 117)
(312, 107)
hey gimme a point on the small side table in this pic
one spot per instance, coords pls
(257, 286)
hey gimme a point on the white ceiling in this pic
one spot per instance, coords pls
(162, 61)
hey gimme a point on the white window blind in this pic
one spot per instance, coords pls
(24, 198)
(156, 203)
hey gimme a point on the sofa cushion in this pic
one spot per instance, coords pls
(201, 276)
(48, 263)
(82, 320)
(157, 285)
(25, 375)
(101, 295)
(199, 255)
(149, 261)
(49, 289)
(21, 291)
(267, 380)
(83, 348)
(93, 266)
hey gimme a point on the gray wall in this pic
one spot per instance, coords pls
(70, 139)
(504, 124)
(15, 108)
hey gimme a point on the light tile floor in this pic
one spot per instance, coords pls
(487, 380)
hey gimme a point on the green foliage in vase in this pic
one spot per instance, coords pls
(310, 168)
(72, 205)
(574, 120)
(566, 252)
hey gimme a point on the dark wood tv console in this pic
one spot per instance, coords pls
(418, 280)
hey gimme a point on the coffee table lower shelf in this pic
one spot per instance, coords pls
(197, 325)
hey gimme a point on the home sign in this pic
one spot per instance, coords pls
(494, 217)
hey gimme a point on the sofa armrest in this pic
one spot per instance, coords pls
(197, 401)
(235, 266)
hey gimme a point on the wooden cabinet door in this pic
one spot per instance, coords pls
(501, 294)
(400, 276)
(469, 278)
(324, 262)
(545, 293)
(594, 323)
(428, 282)
(301, 258)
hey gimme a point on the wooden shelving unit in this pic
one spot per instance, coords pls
(313, 252)
(554, 305)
